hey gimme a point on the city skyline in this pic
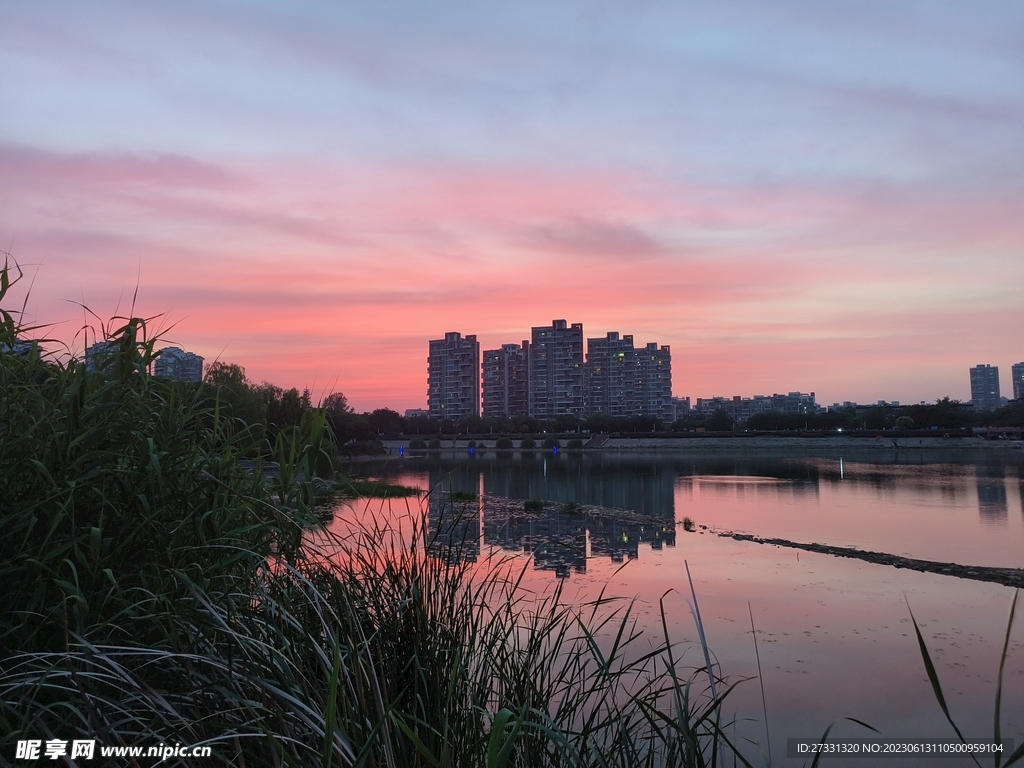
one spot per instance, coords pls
(790, 197)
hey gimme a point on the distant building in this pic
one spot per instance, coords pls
(680, 407)
(656, 382)
(176, 363)
(623, 381)
(1017, 369)
(21, 349)
(453, 377)
(412, 413)
(985, 387)
(556, 371)
(742, 408)
(506, 381)
(613, 376)
(99, 356)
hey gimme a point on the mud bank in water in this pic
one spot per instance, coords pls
(1010, 577)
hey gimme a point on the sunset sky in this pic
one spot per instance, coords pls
(813, 196)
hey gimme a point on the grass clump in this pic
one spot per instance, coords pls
(354, 487)
(572, 507)
(157, 591)
(527, 444)
(533, 505)
(463, 496)
(503, 443)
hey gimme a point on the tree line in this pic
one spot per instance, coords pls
(277, 409)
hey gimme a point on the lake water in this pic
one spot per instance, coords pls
(834, 634)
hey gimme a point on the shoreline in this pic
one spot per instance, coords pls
(873, 443)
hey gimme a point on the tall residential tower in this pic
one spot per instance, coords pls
(1017, 370)
(507, 380)
(623, 381)
(453, 377)
(556, 371)
(985, 387)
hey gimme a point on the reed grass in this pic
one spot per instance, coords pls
(155, 590)
(1000, 760)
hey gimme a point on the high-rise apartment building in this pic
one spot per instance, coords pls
(176, 363)
(1017, 369)
(453, 377)
(506, 390)
(613, 376)
(556, 371)
(655, 364)
(624, 381)
(985, 387)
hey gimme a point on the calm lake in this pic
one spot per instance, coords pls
(834, 634)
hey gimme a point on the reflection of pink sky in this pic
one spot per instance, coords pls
(335, 278)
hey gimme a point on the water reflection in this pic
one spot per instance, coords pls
(913, 505)
(453, 528)
(991, 481)
(558, 540)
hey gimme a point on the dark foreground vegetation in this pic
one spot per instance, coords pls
(156, 589)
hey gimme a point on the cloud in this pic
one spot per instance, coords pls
(592, 239)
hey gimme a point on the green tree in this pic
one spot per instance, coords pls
(227, 383)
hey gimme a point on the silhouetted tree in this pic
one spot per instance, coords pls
(227, 382)
(720, 421)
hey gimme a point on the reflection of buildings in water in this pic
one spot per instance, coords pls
(558, 541)
(643, 487)
(992, 506)
(561, 541)
(453, 528)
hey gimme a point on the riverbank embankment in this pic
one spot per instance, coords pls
(701, 444)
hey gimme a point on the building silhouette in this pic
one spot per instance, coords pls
(613, 376)
(100, 356)
(655, 382)
(556, 371)
(624, 381)
(453, 377)
(985, 387)
(506, 381)
(176, 363)
(1017, 370)
(742, 408)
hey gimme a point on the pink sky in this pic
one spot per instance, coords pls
(784, 213)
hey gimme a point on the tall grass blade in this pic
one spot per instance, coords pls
(933, 677)
(997, 728)
(760, 677)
